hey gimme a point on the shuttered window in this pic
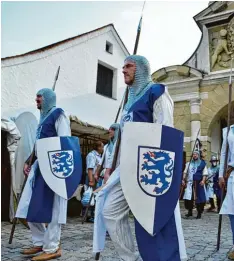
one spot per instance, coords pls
(104, 81)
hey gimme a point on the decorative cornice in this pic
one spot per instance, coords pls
(190, 96)
(215, 17)
(211, 8)
(204, 95)
(185, 96)
(181, 84)
(216, 78)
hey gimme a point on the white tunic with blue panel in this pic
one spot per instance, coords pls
(155, 106)
(228, 203)
(212, 171)
(62, 128)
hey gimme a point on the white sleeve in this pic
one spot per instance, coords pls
(163, 109)
(186, 167)
(103, 155)
(108, 158)
(205, 172)
(223, 152)
(90, 161)
(62, 126)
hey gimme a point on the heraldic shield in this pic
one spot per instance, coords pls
(151, 172)
(60, 164)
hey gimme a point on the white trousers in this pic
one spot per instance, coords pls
(111, 214)
(48, 237)
(115, 214)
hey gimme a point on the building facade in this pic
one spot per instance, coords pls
(90, 78)
(199, 87)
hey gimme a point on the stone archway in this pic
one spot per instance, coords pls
(218, 122)
(217, 99)
(213, 109)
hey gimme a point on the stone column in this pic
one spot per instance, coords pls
(195, 120)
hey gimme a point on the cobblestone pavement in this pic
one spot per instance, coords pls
(200, 237)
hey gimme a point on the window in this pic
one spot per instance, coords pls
(104, 81)
(109, 47)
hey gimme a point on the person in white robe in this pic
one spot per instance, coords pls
(211, 189)
(227, 207)
(194, 177)
(46, 240)
(113, 209)
(107, 156)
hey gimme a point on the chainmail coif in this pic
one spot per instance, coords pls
(142, 80)
(48, 102)
(116, 127)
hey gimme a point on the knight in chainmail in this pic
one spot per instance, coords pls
(212, 182)
(226, 180)
(146, 102)
(109, 148)
(39, 204)
(194, 177)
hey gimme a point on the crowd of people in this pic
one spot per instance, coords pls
(146, 102)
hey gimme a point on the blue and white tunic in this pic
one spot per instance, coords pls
(36, 204)
(212, 172)
(195, 174)
(155, 106)
(228, 203)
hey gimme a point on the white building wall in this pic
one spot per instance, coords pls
(23, 76)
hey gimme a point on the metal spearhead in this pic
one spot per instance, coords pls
(56, 78)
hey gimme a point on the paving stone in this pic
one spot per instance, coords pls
(200, 239)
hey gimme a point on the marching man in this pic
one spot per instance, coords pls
(146, 103)
(92, 161)
(39, 204)
(104, 170)
(212, 184)
(107, 156)
(195, 185)
(227, 207)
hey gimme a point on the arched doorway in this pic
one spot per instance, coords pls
(219, 122)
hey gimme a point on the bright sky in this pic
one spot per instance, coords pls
(169, 34)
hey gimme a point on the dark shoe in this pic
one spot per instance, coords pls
(190, 214)
(198, 216)
(90, 220)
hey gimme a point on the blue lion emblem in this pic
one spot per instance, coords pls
(160, 166)
(127, 117)
(62, 163)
